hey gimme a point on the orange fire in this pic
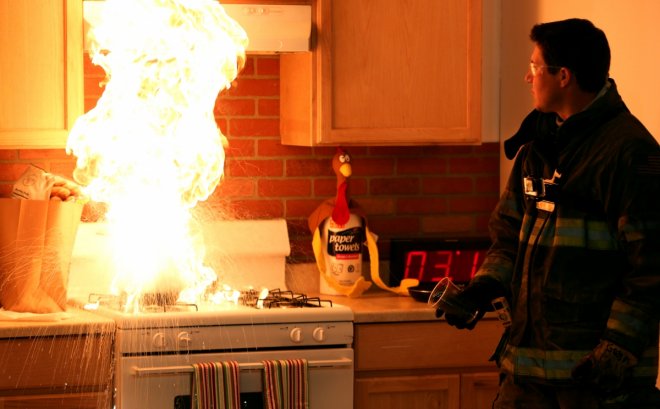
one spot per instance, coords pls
(151, 149)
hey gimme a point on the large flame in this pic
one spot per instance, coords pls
(151, 149)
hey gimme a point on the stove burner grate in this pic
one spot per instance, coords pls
(288, 299)
(249, 298)
(149, 303)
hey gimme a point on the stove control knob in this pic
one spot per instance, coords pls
(318, 334)
(159, 340)
(184, 340)
(296, 335)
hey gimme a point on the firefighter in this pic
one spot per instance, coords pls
(576, 238)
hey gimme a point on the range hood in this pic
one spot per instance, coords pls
(271, 28)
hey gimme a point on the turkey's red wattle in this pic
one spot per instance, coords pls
(340, 213)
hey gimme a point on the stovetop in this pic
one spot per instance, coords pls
(251, 308)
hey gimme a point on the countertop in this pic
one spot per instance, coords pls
(74, 321)
(376, 305)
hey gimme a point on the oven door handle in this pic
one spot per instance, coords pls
(168, 370)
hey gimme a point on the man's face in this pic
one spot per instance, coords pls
(545, 85)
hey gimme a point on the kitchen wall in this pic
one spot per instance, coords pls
(406, 191)
(632, 30)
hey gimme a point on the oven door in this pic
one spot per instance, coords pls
(165, 381)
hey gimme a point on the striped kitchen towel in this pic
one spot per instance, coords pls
(216, 385)
(286, 384)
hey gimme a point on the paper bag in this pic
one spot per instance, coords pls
(36, 242)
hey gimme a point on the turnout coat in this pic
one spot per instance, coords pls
(576, 240)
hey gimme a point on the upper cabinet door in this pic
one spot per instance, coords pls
(387, 72)
(41, 74)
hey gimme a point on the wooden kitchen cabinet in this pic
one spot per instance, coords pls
(63, 372)
(388, 72)
(479, 389)
(41, 71)
(425, 365)
(405, 392)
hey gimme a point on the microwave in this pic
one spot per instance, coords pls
(431, 259)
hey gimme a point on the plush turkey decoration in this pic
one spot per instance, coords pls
(339, 209)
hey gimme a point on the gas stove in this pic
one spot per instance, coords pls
(156, 345)
(281, 319)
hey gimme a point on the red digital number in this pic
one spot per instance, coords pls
(412, 259)
(475, 264)
(441, 264)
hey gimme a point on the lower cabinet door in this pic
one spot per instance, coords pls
(408, 392)
(478, 390)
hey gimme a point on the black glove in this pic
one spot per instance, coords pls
(478, 293)
(606, 367)
(460, 322)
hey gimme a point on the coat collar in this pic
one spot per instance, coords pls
(542, 127)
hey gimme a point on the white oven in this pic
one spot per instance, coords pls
(154, 353)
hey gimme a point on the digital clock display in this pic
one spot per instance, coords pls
(429, 260)
(433, 265)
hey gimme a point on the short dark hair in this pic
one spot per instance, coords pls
(577, 45)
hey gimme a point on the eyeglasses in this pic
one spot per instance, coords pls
(535, 68)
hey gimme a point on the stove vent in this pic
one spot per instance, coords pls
(271, 28)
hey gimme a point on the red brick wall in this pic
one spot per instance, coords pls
(406, 191)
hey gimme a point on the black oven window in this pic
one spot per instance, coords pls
(182, 402)
(252, 400)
